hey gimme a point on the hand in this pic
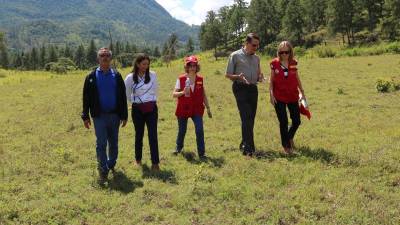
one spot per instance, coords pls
(261, 78)
(87, 124)
(123, 123)
(209, 113)
(272, 99)
(186, 91)
(243, 78)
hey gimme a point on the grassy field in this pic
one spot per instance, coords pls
(346, 171)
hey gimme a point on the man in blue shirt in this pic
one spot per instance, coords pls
(104, 97)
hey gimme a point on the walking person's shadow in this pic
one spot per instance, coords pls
(166, 176)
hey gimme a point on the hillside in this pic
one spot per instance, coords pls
(34, 22)
(346, 169)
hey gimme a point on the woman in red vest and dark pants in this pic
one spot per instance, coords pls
(192, 100)
(284, 90)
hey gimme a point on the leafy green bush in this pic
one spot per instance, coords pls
(383, 85)
(271, 49)
(299, 51)
(324, 52)
(62, 66)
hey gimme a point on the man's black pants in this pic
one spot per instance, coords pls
(246, 100)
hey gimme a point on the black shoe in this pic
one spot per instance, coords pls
(177, 151)
(103, 177)
(203, 158)
(241, 146)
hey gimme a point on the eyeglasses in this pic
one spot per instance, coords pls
(284, 52)
(104, 55)
(255, 45)
(192, 65)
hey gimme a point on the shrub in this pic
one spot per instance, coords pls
(324, 52)
(299, 51)
(62, 66)
(383, 85)
(271, 49)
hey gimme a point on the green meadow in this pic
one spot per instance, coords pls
(346, 169)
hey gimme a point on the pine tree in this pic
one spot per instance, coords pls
(53, 57)
(91, 54)
(80, 57)
(293, 22)
(34, 59)
(190, 46)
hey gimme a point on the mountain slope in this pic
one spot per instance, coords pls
(34, 22)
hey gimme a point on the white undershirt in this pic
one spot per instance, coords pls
(178, 85)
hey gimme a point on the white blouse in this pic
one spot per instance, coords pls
(141, 92)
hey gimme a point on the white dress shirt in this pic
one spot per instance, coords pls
(141, 92)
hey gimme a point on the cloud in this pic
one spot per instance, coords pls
(194, 14)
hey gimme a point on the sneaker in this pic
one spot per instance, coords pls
(103, 177)
(155, 167)
(177, 151)
(291, 142)
(287, 150)
(203, 158)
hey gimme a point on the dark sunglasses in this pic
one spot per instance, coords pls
(192, 65)
(104, 55)
(255, 45)
(284, 52)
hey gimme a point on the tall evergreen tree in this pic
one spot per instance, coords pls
(34, 59)
(4, 59)
(80, 57)
(293, 22)
(53, 57)
(190, 46)
(91, 54)
(263, 19)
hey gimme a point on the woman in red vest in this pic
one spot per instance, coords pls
(191, 95)
(284, 91)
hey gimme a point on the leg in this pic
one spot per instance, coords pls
(151, 122)
(112, 131)
(182, 126)
(138, 122)
(101, 143)
(253, 99)
(294, 111)
(240, 92)
(198, 124)
(280, 109)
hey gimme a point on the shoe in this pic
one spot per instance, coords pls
(287, 150)
(203, 158)
(291, 142)
(155, 167)
(103, 177)
(241, 146)
(177, 151)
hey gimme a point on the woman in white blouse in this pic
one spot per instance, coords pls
(141, 90)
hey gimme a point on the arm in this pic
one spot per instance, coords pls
(128, 85)
(85, 103)
(124, 116)
(230, 71)
(206, 104)
(177, 91)
(259, 72)
(271, 87)
(300, 86)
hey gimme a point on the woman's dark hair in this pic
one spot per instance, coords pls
(140, 58)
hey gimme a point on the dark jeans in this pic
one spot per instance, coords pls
(106, 127)
(294, 111)
(198, 124)
(246, 100)
(139, 121)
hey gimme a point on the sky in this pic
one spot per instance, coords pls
(192, 11)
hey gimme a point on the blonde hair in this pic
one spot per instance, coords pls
(290, 48)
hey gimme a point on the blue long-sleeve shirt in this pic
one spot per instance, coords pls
(107, 89)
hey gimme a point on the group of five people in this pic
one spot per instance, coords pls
(105, 96)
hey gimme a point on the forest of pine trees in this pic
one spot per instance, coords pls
(303, 22)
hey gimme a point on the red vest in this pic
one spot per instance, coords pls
(285, 88)
(194, 104)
